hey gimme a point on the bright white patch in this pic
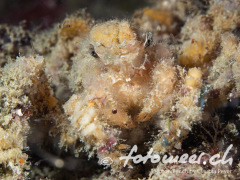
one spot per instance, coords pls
(88, 117)
(89, 130)
(19, 112)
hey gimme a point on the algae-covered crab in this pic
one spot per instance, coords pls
(125, 80)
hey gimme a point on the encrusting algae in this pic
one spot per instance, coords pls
(156, 81)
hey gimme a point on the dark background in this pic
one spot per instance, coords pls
(43, 13)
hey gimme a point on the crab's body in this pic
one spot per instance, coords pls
(124, 81)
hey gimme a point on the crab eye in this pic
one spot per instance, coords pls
(148, 40)
(114, 111)
(92, 51)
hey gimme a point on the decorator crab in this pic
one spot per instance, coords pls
(125, 80)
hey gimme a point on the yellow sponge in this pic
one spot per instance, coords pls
(162, 16)
(73, 27)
